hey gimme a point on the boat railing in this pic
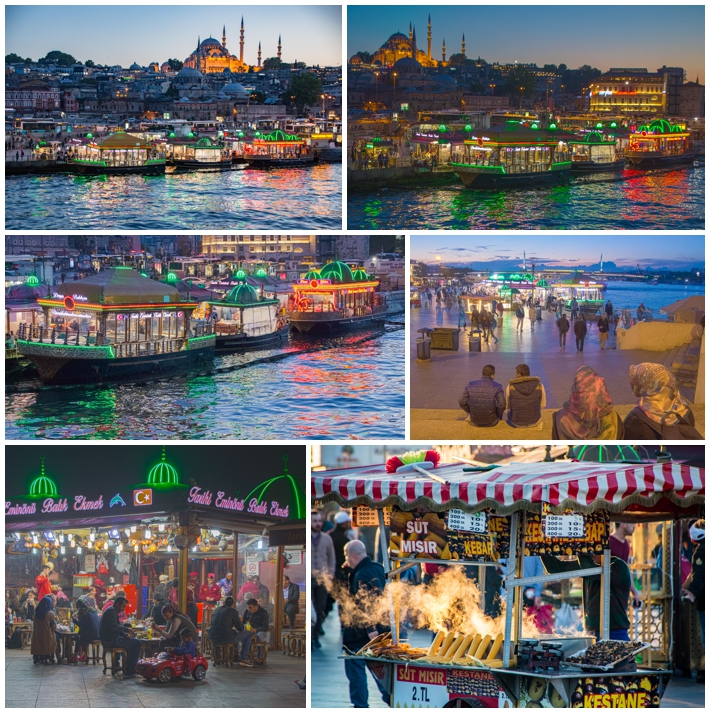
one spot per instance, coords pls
(228, 330)
(314, 316)
(204, 329)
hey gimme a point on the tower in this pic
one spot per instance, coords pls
(224, 36)
(410, 31)
(414, 43)
(241, 43)
(463, 45)
(278, 51)
(428, 40)
(443, 51)
(258, 56)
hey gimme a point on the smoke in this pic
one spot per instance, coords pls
(450, 602)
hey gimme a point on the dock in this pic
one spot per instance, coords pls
(38, 167)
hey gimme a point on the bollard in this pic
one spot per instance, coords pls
(423, 349)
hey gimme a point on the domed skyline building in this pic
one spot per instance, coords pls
(210, 56)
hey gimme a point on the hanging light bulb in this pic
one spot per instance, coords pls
(147, 534)
(35, 539)
(194, 549)
(128, 532)
(161, 527)
(215, 533)
(92, 536)
(61, 537)
(78, 550)
(135, 548)
(170, 548)
(72, 543)
(106, 545)
(133, 528)
(119, 548)
(62, 549)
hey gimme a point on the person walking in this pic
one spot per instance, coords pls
(520, 314)
(493, 325)
(563, 328)
(574, 308)
(462, 315)
(580, 332)
(532, 316)
(501, 310)
(322, 572)
(694, 586)
(603, 325)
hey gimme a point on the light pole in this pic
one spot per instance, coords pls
(394, 93)
(322, 96)
(377, 89)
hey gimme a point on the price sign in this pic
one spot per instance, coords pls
(468, 522)
(566, 526)
(367, 517)
(419, 687)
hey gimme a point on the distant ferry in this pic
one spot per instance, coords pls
(659, 144)
(119, 153)
(278, 149)
(198, 155)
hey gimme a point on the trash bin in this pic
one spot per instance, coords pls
(474, 340)
(445, 338)
(423, 349)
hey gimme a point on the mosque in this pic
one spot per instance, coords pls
(399, 46)
(210, 56)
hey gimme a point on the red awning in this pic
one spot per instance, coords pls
(584, 487)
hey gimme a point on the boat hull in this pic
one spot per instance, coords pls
(241, 342)
(592, 167)
(61, 365)
(275, 162)
(97, 169)
(478, 177)
(329, 155)
(332, 326)
(182, 165)
(648, 159)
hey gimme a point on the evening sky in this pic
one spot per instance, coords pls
(143, 34)
(498, 251)
(601, 36)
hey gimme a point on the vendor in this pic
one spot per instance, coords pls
(210, 592)
(591, 594)
(44, 588)
(226, 585)
(162, 589)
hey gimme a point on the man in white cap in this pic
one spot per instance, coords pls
(340, 535)
(162, 589)
(694, 586)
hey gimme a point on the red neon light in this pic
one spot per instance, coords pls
(69, 303)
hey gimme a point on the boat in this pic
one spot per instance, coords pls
(118, 154)
(334, 299)
(198, 155)
(245, 320)
(512, 156)
(115, 325)
(277, 149)
(660, 144)
(327, 148)
(594, 153)
(588, 292)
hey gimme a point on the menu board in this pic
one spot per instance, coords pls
(367, 517)
(567, 534)
(468, 522)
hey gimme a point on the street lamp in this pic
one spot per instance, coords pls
(322, 96)
(394, 92)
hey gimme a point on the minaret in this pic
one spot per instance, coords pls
(414, 43)
(410, 31)
(443, 51)
(241, 43)
(258, 56)
(224, 36)
(197, 55)
(278, 51)
(463, 45)
(428, 40)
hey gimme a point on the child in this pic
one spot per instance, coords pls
(188, 645)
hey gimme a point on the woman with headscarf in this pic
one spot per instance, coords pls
(661, 412)
(87, 620)
(589, 413)
(176, 623)
(44, 640)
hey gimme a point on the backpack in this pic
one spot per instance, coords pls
(15, 641)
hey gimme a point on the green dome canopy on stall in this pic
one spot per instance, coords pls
(242, 294)
(360, 276)
(163, 473)
(32, 281)
(292, 490)
(42, 486)
(312, 275)
(336, 272)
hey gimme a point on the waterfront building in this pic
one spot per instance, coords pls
(264, 248)
(399, 46)
(637, 92)
(210, 56)
(692, 100)
(32, 97)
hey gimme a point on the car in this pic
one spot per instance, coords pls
(166, 666)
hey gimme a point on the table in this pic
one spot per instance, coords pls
(66, 641)
(149, 647)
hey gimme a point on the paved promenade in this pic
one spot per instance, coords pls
(437, 385)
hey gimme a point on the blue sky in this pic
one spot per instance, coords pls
(602, 36)
(125, 34)
(654, 251)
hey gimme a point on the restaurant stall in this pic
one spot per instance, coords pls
(474, 516)
(125, 527)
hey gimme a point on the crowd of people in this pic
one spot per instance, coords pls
(101, 615)
(661, 412)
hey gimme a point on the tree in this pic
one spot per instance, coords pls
(366, 57)
(306, 91)
(175, 64)
(258, 97)
(273, 63)
(457, 60)
(477, 88)
(519, 83)
(62, 59)
(13, 58)
(89, 63)
(299, 65)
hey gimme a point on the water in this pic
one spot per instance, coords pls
(667, 200)
(632, 294)
(277, 199)
(349, 391)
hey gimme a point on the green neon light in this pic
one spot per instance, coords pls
(172, 277)
(442, 128)
(336, 270)
(89, 136)
(600, 125)
(468, 127)
(172, 134)
(312, 275)
(143, 274)
(105, 351)
(279, 135)
(261, 272)
(535, 126)
(498, 169)
(613, 124)
(32, 281)
(257, 133)
(88, 161)
(553, 126)
(191, 135)
(163, 473)
(562, 163)
(262, 488)
(206, 337)
(241, 275)
(241, 133)
(42, 486)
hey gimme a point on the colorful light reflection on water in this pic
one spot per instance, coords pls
(279, 199)
(668, 200)
(352, 391)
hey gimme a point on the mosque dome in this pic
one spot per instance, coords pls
(135, 65)
(407, 65)
(211, 42)
(397, 37)
(189, 73)
(234, 88)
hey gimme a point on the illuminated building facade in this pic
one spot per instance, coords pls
(210, 56)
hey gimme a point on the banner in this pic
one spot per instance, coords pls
(588, 534)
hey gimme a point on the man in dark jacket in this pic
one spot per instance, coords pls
(257, 618)
(694, 586)
(526, 398)
(484, 399)
(292, 595)
(112, 633)
(580, 332)
(591, 593)
(367, 579)
(563, 328)
(226, 623)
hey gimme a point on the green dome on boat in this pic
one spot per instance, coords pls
(661, 126)
(32, 281)
(360, 276)
(593, 137)
(312, 275)
(240, 275)
(243, 294)
(336, 272)
(261, 273)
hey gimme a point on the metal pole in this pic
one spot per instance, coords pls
(235, 564)
(182, 578)
(384, 547)
(519, 570)
(605, 595)
(509, 591)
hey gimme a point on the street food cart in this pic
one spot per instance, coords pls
(468, 515)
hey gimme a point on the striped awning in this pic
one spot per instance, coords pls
(584, 487)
